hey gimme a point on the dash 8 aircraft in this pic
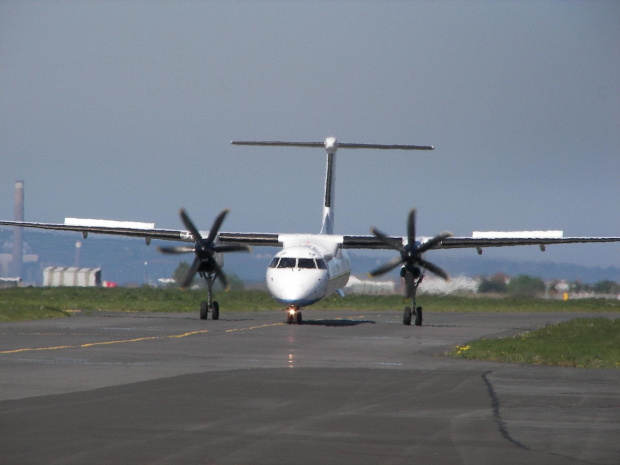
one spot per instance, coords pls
(310, 267)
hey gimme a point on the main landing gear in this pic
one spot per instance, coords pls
(413, 312)
(210, 305)
(293, 315)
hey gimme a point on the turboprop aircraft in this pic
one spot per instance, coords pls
(310, 267)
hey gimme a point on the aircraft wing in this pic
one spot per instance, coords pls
(477, 242)
(480, 242)
(118, 229)
(146, 231)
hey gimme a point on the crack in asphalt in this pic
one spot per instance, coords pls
(501, 424)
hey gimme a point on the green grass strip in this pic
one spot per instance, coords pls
(20, 304)
(579, 343)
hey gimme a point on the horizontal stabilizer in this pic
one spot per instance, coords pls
(335, 144)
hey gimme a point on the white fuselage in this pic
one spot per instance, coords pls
(308, 268)
(311, 266)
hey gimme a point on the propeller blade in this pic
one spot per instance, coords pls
(232, 248)
(435, 241)
(393, 263)
(220, 274)
(189, 225)
(411, 227)
(216, 225)
(176, 249)
(434, 269)
(190, 274)
(394, 244)
(411, 255)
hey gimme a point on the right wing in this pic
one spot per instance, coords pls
(147, 232)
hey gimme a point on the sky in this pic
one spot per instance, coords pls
(126, 110)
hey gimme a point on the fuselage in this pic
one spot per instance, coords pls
(307, 269)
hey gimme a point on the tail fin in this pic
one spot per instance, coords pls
(328, 204)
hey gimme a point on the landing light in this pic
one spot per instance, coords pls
(291, 311)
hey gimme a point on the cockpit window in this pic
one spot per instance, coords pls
(306, 263)
(291, 262)
(286, 262)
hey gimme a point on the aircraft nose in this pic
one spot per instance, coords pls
(297, 288)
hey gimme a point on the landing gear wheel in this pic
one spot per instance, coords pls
(289, 319)
(407, 316)
(215, 311)
(418, 316)
(298, 318)
(204, 310)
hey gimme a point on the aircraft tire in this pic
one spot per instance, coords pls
(204, 310)
(418, 316)
(298, 318)
(215, 311)
(407, 316)
(289, 319)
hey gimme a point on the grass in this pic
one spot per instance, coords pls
(579, 343)
(20, 304)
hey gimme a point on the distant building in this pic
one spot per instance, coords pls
(57, 276)
(29, 262)
(10, 282)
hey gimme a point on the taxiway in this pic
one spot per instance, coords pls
(345, 387)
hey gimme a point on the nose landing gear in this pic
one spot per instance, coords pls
(293, 315)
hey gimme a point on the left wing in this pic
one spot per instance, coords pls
(501, 240)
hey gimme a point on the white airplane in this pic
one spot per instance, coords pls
(311, 266)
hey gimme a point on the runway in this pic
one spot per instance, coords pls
(345, 387)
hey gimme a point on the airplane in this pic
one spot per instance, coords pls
(310, 267)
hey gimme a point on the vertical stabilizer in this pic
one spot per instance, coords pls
(328, 204)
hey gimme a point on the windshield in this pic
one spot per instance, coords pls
(286, 262)
(306, 263)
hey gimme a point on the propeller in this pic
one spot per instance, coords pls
(410, 254)
(204, 249)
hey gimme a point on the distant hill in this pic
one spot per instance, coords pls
(122, 260)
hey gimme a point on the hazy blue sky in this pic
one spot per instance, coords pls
(125, 110)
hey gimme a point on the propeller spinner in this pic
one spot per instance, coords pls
(204, 249)
(410, 255)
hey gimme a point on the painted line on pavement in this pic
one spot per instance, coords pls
(92, 344)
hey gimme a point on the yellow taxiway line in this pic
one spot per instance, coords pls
(92, 344)
(253, 327)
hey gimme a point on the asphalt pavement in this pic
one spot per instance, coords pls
(344, 387)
